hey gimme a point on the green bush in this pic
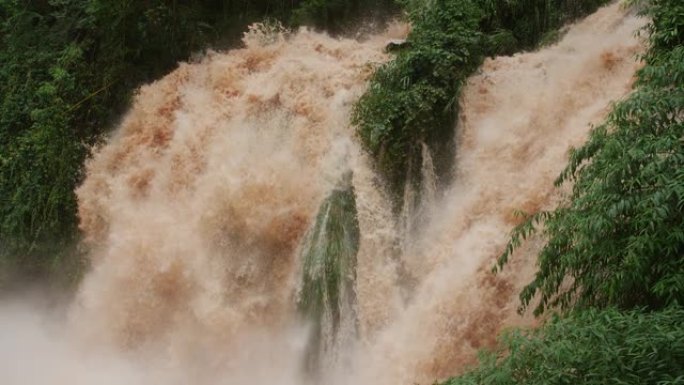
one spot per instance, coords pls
(619, 239)
(414, 98)
(591, 347)
(67, 70)
(327, 292)
(339, 15)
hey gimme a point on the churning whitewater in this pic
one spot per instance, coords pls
(196, 211)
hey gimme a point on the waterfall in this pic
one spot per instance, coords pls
(237, 232)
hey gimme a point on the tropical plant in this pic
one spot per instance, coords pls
(327, 296)
(590, 347)
(414, 98)
(619, 238)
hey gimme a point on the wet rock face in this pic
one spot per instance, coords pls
(395, 45)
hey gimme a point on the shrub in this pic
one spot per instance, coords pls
(619, 238)
(591, 347)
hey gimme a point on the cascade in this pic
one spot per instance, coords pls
(237, 233)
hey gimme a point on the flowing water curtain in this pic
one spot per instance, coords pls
(327, 298)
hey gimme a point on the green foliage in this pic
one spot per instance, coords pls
(591, 347)
(666, 29)
(530, 21)
(619, 240)
(335, 15)
(329, 257)
(67, 69)
(414, 98)
(329, 267)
